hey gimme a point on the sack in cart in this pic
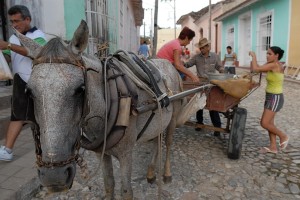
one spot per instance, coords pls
(237, 88)
(5, 72)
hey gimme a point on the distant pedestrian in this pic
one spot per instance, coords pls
(274, 96)
(144, 50)
(229, 61)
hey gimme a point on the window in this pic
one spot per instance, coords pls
(264, 35)
(265, 25)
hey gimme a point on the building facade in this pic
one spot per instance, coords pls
(115, 22)
(255, 25)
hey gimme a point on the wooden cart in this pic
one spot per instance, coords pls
(236, 116)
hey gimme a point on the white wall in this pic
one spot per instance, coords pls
(47, 15)
(53, 20)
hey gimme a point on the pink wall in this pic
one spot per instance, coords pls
(189, 22)
(216, 29)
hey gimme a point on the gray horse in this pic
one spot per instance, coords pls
(58, 87)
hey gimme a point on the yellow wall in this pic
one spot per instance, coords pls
(294, 44)
(166, 35)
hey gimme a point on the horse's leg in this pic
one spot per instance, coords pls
(151, 167)
(169, 140)
(108, 176)
(126, 169)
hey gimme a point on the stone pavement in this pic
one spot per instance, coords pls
(200, 167)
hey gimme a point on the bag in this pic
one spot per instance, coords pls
(237, 88)
(5, 72)
(197, 102)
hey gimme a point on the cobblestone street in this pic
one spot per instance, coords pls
(201, 169)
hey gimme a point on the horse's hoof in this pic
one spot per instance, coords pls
(151, 180)
(167, 179)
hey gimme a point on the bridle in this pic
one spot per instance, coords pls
(36, 132)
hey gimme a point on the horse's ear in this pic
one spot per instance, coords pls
(80, 39)
(32, 47)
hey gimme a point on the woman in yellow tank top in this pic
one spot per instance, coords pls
(274, 96)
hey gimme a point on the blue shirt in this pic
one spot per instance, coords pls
(144, 50)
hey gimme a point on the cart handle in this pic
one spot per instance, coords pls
(180, 95)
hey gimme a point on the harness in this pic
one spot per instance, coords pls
(122, 102)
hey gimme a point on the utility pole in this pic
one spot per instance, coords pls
(144, 31)
(209, 22)
(155, 29)
(175, 18)
(151, 30)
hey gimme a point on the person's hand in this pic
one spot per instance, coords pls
(3, 45)
(195, 79)
(251, 53)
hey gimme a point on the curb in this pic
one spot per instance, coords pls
(27, 191)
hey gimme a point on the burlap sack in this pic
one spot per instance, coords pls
(237, 88)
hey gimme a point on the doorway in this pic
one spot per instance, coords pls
(244, 39)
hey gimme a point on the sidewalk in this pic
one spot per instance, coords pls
(16, 177)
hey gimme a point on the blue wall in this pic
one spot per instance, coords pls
(74, 13)
(280, 27)
(280, 21)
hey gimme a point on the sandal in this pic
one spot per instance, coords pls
(284, 144)
(265, 150)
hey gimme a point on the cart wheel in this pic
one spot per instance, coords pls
(237, 133)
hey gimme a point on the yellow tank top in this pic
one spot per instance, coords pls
(274, 82)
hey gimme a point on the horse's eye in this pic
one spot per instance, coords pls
(79, 91)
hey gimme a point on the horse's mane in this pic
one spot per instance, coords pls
(57, 51)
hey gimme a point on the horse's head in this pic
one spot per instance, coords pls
(57, 86)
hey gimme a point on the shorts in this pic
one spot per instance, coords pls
(229, 70)
(274, 102)
(22, 104)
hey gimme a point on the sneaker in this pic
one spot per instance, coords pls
(4, 155)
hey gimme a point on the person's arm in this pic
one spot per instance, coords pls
(180, 67)
(256, 68)
(17, 48)
(234, 56)
(13, 47)
(191, 62)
